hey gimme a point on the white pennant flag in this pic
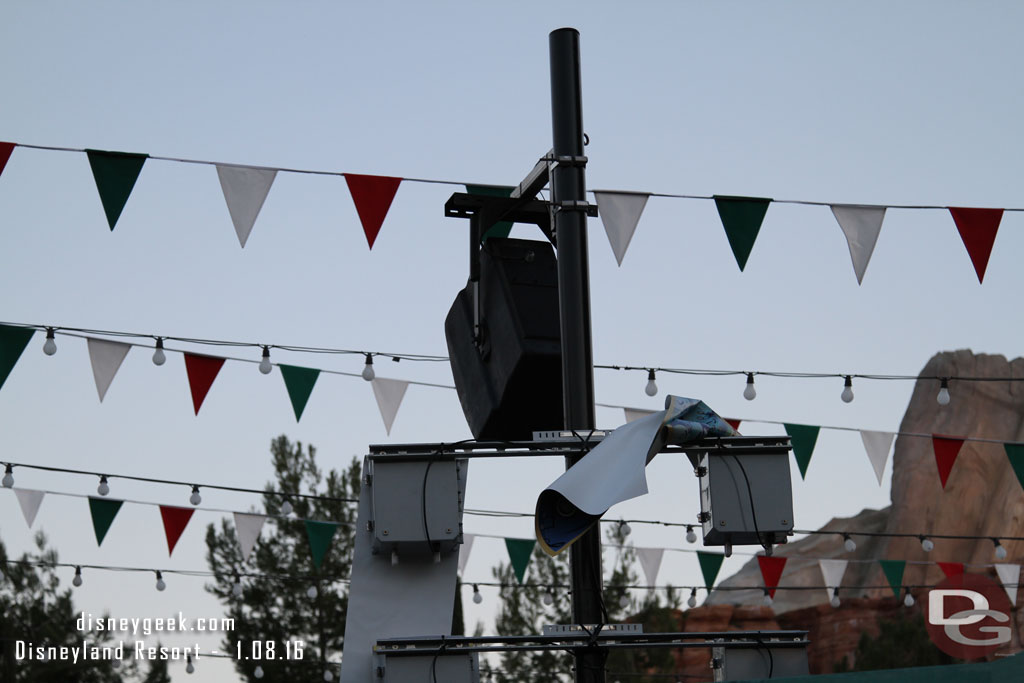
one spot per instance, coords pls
(832, 571)
(861, 225)
(248, 527)
(467, 545)
(636, 413)
(245, 190)
(620, 212)
(30, 501)
(1009, 576)
(106, 357)
(650, 561)
(389, 394)
(877, 444)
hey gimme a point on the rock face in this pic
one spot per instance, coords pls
(982, 498)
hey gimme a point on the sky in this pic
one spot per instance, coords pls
(847, 102)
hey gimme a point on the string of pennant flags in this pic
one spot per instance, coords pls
(246, 187)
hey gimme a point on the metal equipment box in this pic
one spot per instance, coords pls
(462, 667)
(745, 499)
(773, 659)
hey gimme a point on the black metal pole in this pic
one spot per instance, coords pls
(568, 194)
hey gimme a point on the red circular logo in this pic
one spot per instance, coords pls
(968, 616)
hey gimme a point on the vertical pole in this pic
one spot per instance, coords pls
(568, 187)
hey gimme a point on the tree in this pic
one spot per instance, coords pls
(523, 612)
(277, 603)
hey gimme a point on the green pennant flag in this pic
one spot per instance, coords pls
(103, 512)
(894, 573)
(1014, 453)
(803, 438)
(519, 552)
(320, 535)
(13, 341)
(710, 563)
(741, 218)
(115, 174)
(501, 228)
(299, 382)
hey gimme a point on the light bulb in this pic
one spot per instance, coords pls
(850, 544)
(77, 581)
(286, 507)
(927, 545)
(1000, 550)
(691, 537)
(624, 601)
(625, 528)
(768, 599)
(265, 366)
(477, 598)
(8, 481)
(189, 668)
(311, 593)
(236, 590)
(195, 498)
(328, 676)
(104, 488)
(258, 672)
(50, 345)
(847, 394)
(159, 357)
(160, 583)
(835, 600)
(943, 395)
(691, 602)
(547, 599)
(368, 373)
(909, 600)
(749, 392)
(652, 387)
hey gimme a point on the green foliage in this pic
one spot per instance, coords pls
(280, 610)
(901, 642)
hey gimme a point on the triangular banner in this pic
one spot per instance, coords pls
(29, 500)
(650, 562)
(175, 521)
(733, 422)
(977, 229)
(13, 341)
(620, 213)
(464, 550)
(861, 225)
(115, 174)
(894, 574)
(5, 153)
(299, 382)
(247, 529)
(1015, 454)
(519, 552)
(771, 571)
(946, 449)
(103, 511)
(877, 445)
(1009, 576)
(372, 195)
(832, 572)
(636, 413)
(951, 568)
(389, 394)
(501, 228)
(201, 370)
(106, 357)
(245, 190)
(803, 438)
(320, 535)
(741, 218)
(710, 564)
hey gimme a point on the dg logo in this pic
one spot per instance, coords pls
(969, 616)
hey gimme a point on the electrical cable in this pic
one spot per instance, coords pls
(753, 512)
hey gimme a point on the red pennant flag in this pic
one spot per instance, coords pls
(372, 195)
(946, 450)
(951, 568)
(978, 231)
(175, 521)
(733, 422)
(771, 571)
(5, 153)
(202, 370)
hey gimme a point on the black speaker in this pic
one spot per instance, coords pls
(510, 379)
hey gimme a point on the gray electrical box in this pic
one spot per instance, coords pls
(463, 667)
(745, 499)
(773, 659)
(415, 506)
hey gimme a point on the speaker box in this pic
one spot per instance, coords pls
(510, 384)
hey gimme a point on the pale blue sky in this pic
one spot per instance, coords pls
(859, 102)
